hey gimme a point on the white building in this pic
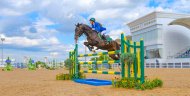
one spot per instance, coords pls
(162, 41)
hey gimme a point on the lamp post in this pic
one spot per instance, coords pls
(26, 61)
(45, 60)
(2, 39)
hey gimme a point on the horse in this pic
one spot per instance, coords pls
(93, 39)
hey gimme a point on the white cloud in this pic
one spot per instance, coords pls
(40, 28)
(9, 12)
(21, 41)
(26, 42)
(54, 54)
(181, 6)
(115, 34)
(53, 40)
(43, 22)
(106, 14)
(20, 3)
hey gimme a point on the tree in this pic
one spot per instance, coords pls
(127, 58)
(69, 64)
(41, 64)
(8, 66)
(31, 65)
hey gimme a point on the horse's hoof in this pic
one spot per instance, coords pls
(90, 48)
(93, 51)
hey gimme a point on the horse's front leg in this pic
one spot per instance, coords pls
(87, 44)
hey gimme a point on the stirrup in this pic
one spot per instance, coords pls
(106, 42)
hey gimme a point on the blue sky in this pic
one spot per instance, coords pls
(45, 28)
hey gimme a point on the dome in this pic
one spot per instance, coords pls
(182, 21)
(176, 38)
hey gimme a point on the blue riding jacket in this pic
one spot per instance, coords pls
(98, 27)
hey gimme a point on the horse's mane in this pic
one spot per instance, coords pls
(86, 29)
(85, 26)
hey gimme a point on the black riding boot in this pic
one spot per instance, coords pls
(104, 38)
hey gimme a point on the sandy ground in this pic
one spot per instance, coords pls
(22, 82)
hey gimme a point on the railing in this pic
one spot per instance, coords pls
(182, 53)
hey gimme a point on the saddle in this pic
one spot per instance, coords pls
(104, 37)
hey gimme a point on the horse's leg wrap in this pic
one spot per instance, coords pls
(88, 45)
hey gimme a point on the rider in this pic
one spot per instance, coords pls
(97, 27)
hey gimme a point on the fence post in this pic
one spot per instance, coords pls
(70, 66)
(142, 60)
(76, 61)
(135, 61)
(129, 65)
(122, 51)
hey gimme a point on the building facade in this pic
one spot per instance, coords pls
(162, 41)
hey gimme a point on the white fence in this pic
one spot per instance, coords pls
(168, 63)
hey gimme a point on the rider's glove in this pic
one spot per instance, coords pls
(93, 28)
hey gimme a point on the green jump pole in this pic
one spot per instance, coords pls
(135, 61)
(122, 51)
(73, 64)
(70, 72)
(76, 62)
(142, 60)
(129, 65)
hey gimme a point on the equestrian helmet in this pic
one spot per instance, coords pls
(92, 19)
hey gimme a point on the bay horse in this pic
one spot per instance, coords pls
(94, 40)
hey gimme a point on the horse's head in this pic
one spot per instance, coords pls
(79, 30)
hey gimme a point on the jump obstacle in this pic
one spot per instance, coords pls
(135, 70)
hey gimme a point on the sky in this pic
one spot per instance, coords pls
(45, 28)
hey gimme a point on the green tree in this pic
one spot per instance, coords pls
(127, 58)
(69, 65)
(41, 64)
(8, 66)
(31, 65)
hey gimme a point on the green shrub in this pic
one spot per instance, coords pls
(158, 82)
(127, 58)
(81, 75)
(8, 68)
(62, 76)
(51, 68)
(133, 83)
